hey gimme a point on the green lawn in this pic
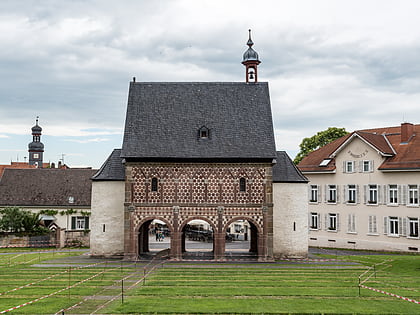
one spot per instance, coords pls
(177, 288)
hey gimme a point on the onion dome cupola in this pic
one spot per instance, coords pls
(36, 147)
(251, 61)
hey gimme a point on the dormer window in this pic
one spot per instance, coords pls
(204, 133)
(325, 162)
(71, 199)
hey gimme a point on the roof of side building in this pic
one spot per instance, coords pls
(46, 187)
(113, 168)
(285, 171)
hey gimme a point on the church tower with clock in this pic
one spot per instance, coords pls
(36, 147)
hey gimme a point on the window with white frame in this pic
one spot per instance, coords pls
(332, 194)
(392, 195)
(413, 227)
(332, 221)
(372, 227)
(314, 191)
(372, 194)
(80, 223)
(351, 223)
(314, 221)
(366, 166)
(393, 226)
(349, 167)
(413, 195)
(351, 193)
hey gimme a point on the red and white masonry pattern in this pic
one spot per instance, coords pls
(390, 294)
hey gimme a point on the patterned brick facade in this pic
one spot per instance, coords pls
(188, 191)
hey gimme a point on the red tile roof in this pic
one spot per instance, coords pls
(399, 155)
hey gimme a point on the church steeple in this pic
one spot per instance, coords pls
(36, 147)
(251, 61)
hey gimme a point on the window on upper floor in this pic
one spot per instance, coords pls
(413, 195)
(351, 193)
(392, 195)
(242, 184)
(331, 194)
(349, 167)
(413, 227)
(371, 194)
(313, 193)
(366, 166)
(154, 186)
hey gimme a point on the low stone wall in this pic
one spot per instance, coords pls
(77, 238)
(11, 240)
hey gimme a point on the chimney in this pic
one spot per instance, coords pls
(407, 130)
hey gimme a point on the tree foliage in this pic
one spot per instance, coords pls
(16, 220)
(317, 141)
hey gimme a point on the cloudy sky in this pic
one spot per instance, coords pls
(352, 64)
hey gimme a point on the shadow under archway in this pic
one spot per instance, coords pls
(153, 237)
(242, 240)
(197, 240)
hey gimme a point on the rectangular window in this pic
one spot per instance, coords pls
(313, 193)
(80, 223)
(392, 194)
(372, 194)
(351, 193)
(351, 226)
(393, 226)
(367, 166)
(373, 227)
(332, 194)
(349, 167)
(413, 227)
(314, 221)
(332, 221)
(413, 195)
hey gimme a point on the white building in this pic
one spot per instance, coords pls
(364, 190)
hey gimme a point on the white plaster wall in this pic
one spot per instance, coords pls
(107, 210)
(290, 220)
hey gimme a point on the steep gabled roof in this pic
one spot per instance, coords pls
(163, 121)
(46, 187)
(113, 168)
(387, 141)
(285, 171)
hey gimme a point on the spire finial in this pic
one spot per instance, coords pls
(250, 42)
(37, 117)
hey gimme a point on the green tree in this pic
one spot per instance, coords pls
(16, 220)
(317, 141)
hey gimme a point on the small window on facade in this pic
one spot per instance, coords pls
(79, 223)
(154, 184)
(242, 184)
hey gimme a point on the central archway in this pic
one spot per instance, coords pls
(197, 238)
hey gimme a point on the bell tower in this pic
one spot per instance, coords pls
(36, 147)
(251, 62)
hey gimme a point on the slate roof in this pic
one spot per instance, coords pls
(46, 187)
(387, 141)
(113, 168)
(285, 171)
(163, 121)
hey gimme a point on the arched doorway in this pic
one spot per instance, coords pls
(197, 239)
(154, 235)
(243, 238)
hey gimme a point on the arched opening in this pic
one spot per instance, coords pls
(197, 239)
(154, 235)
(242, 238)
